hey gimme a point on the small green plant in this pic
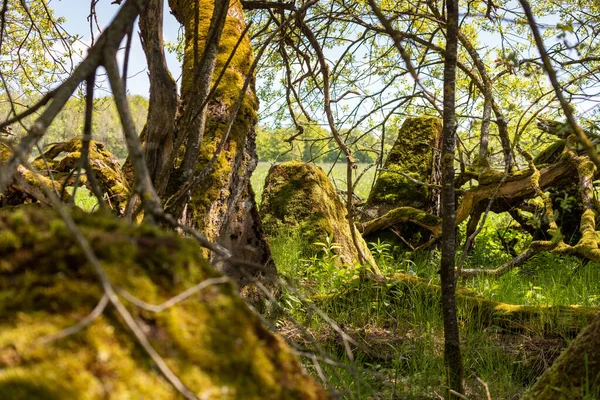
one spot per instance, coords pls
(534, 295)
(328, 248)
(382, 251)
(323, 271)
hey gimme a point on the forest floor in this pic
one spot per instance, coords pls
(399, 349)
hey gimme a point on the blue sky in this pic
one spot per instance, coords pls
(76, 13)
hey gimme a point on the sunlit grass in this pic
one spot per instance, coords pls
(84, 199)
(406, 329)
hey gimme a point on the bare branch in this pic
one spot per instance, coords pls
(173, 300)
(83, 323)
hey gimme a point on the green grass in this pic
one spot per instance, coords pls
(404, 328)
(407, 329)
(337, 176)
(84, 199)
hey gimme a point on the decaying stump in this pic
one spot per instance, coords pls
(211, 341)
(299, 197)
(413, 154)
(575, 374)
(409, 177)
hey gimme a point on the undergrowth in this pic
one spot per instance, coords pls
(401, 333)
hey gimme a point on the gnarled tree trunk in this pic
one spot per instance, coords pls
(207, 183)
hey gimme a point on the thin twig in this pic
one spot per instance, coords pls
(72, 330)
(173, 300)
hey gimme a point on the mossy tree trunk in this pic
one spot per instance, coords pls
(206, 183)
(576, 372)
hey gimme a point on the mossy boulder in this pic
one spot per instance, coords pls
(299, 197)
(212, 341)
(413, 153)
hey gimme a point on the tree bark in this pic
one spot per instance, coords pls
(158, 132)
(452, 354)
(220, 204)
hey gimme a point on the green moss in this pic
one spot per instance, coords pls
(206, 204)
(299, 197)
(576, 372)
(212, 341)
(551, 153)
(552, 321)
(27, 186)
(9, 241)
(411, 154)
(401, 215)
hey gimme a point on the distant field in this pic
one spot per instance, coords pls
(338, 175)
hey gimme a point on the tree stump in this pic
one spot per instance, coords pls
(299, 197)
(408, 179)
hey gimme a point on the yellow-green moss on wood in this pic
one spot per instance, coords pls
(63, 157)
(404, 214)
(550, 320)
(208, 203)
(212, 341)
(300, 196)
(27, 186)
(413, 154)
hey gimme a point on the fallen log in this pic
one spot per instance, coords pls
(402, 289)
